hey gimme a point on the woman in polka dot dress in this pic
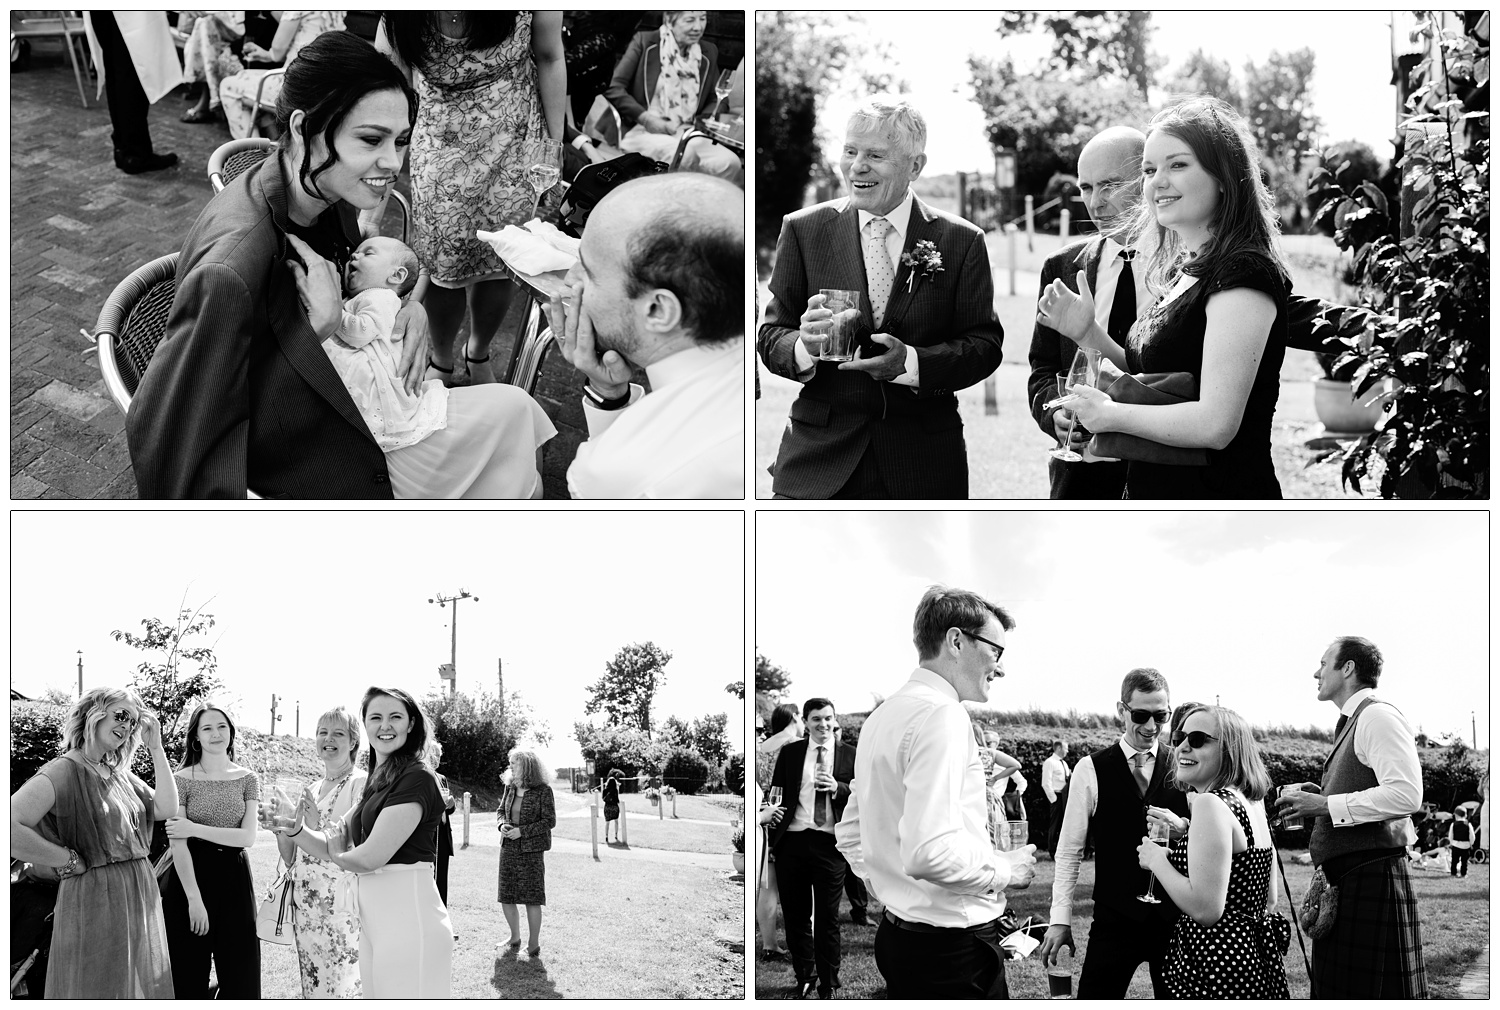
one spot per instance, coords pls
(1229, 941)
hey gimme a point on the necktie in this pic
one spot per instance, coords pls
(878, 270)
(1122, 312)
(1142, 780)
(820, 805)
(1343, 721)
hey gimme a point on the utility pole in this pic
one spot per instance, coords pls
(274, 717)
(501, 664)
(80, 673)
(1473, 729)
(443, 601)
(298, 723)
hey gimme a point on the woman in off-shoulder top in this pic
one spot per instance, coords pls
(1221, 312)
(208, 896)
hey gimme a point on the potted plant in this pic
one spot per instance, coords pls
(737, 838)
(1335, 402)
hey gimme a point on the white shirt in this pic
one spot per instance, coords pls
(895, 241)
(1083, 800)
(1054, 777)
(1384, 743)
(1108, 281)
(916, 825)
(686, 439)
(807, 796)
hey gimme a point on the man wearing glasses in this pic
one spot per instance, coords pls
(917, 828)
(1109, 794)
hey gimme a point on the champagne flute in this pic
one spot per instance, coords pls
(1158, 832)
(724, 85)
(543, 167)
(1084, 372)
(775, 798)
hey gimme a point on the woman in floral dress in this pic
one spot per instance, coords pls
(327, 939)
(489, 81)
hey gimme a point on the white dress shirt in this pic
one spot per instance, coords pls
(1083, 800)
(1054, 777)
(895, 242)
(916, 825)
(807, 796)
(686, 439)
(1108, 282)
(1384, 743)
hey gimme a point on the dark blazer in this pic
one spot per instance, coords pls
(634, 82)
(915, 434)
(788, 775)
(240, 392)
(536, 818)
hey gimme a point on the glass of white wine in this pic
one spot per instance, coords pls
(543, 167)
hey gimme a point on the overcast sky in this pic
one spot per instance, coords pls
(1351, 88)
(316, 607)
(1235, 604)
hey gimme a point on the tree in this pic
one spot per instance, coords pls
(770, 679)
(1352, 163)
(736, 688)
(1279, 110)
(57, 696)
(478, 733)
(629, 683)
(710, 739)
(1202, 74)
(622, 747)
(675, 733)
(1101, 42)
(160, 681)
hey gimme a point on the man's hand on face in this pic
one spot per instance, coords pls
(607, 373)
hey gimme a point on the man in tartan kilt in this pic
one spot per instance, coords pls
(1372, 784)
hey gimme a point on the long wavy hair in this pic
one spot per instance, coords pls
(532, 771)
(414, 751)
(89, 711)
(192, 750)
(1244, 222)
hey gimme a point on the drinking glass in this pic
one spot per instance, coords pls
(775, 798)
(1290, 822)
(724, 85)
(1059, 981)
(1158, 832)
(282, 797)
(844, 327)
(543, 167)
(1084, 372)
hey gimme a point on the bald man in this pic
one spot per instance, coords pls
(659, 285)
(1109, 183)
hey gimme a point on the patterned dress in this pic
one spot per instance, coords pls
(1240, 956)
(476, 113)
(327, 940)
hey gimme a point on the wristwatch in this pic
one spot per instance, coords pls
(606, 404)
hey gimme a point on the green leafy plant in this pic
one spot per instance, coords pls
(1423, 272)
(737, 837)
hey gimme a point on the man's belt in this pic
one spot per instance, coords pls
(922, 927)
(1336, 867)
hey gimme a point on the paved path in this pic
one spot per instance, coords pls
(77, 227)
(1476, 981)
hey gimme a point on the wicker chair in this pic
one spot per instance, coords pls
(232, 159)
(131, 324)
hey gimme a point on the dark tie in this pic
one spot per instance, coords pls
(1142, 780)
(1122, 312)
(820, 805)
(1343, 721)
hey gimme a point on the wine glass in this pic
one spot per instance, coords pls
(1158, 832)
(1084, 372)
(723, 86)
(775, 798)
(543, 167)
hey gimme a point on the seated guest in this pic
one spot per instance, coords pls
(237, 93)
(209, 39)
(663, 82)
(659, 285)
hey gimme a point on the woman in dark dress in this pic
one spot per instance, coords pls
(527, 817)
(610, 793)
(1221, 311)
(1229, 941)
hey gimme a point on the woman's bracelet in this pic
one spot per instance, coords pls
(71, 868)
(294, 834)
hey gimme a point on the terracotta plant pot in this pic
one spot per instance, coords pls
(1337, 409)
(739, 861)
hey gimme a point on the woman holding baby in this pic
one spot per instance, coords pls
(243, 394)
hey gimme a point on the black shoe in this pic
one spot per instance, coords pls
(859, 918)
(825, 993)
(135, 164)
(772, 955)
(804, 990)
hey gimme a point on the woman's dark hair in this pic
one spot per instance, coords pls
(406, 32)
(414, 751)
(326, 81)
(782, 716)
(192, 751)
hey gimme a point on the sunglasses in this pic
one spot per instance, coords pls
(1196, 739)
(1140, 715)
(123, 716)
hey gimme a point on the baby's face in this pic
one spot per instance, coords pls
(375, 264)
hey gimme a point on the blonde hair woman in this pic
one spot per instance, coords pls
(85, 818)
(526, 819)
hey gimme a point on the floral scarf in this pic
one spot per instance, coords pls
(676, 98)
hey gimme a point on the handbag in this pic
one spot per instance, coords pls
(1153, 389)
(1320, 909)
(273, 919)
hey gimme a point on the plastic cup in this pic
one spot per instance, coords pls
(1290, 822)
(1059, 982)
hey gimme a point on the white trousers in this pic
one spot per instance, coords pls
(701, 154)
(406, 937)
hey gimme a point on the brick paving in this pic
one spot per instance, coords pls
(78, 226)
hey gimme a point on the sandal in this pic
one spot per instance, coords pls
(534, 951)
(197, 115)
(485, 375)
(512, 945)
(444, 374)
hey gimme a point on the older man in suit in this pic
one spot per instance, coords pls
(814, 775)
(885, 425)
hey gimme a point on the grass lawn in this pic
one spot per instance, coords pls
(621, 930)
(1455, 929)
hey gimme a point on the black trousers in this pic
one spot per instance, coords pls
(1054, 827)
(1458, 862)
(128, 105)
(859, 896)
(223, 876)
(810, 876)
(444, 853)
(1117, 946)
(1091, 481)
(952, 964)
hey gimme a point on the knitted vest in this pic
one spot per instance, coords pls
(1119, 824)
(1343, 772)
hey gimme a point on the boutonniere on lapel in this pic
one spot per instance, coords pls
(923, 263)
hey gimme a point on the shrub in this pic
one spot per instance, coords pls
(36, 729)
(685, 770)
(734, 774)
(622, 747)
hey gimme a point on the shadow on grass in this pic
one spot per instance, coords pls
(518, 977)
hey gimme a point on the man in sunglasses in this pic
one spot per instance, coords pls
(1110, 793)
(916, 827)
(1361, 826)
